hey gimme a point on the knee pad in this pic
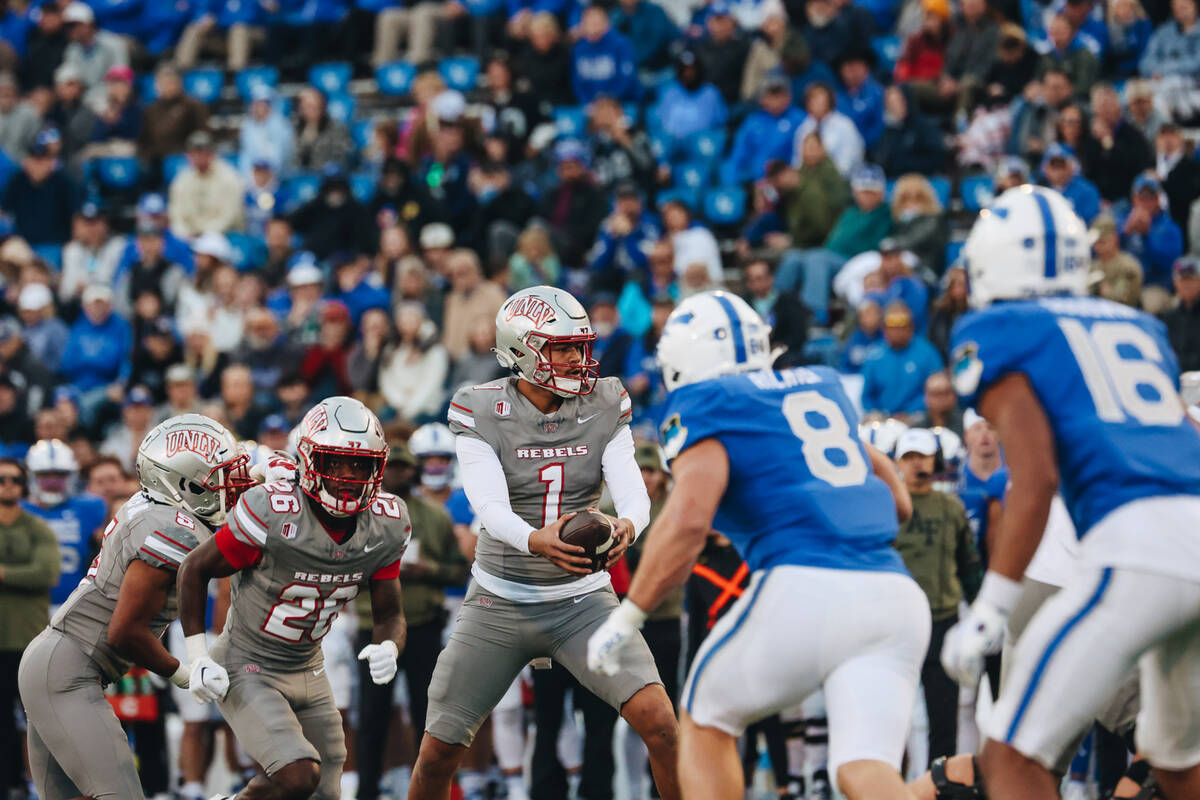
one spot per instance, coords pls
(953, 790)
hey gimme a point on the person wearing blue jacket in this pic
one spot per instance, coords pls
(1149, 234)
(1060, 169)
(894, 375)
(266, 136)
(14, 29)
(602, 61)
(98, 351)
(1174, 49)
(688, 105)
(766, 134)
(120, 16)
(652, 32)
(622, 248)
(860, 96)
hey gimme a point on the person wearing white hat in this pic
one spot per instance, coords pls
(92, 255)
(939, 551)
(92, 51)
(45, 334)
(302, 315)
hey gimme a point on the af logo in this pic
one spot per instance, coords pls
(967, 369)
(674, 434)
(503, 407)
(534, 309)
(289, 530)
(201, 443)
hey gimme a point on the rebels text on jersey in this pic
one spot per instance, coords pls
(156, 533)
(1108, 382)
(294, 577)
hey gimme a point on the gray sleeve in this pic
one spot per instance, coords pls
(460, 416)
(163, 538)
(248, 523)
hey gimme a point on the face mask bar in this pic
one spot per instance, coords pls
(320, 483)
(557, 372)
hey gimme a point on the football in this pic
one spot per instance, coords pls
(592, 531)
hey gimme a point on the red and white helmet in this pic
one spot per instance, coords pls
(533, 320)
(342, 454)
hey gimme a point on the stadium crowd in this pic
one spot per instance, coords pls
(239, 207)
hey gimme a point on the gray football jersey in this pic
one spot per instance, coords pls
(284, 604)
(156, 533)
(552, 462)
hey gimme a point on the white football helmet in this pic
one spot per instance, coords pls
(52, 472)
(530, 322)
(1029, 243)
(953, 453)
(882, 434)
(712, 334)
(193, 462)
(342, 454)
(430, 440)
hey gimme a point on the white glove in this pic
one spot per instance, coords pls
(605, 645)
(278, 467)
(207, 680)
(180, 677)
(981, 632)
(381, 660)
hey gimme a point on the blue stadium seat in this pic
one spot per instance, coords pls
(725, 206)
(145, 88)
(460, 72)
(887, 50)
(953, 249)
(395, 78)
(249, 252)
(362, 185)
(341, 107)
(362, 131)
(978, 192)
(660, 148)
(250, 77)
(299, 190)
(632, 113)
(941, 187)
(116, 172)
(331, 77)
(204, 84)
(708, 145)
(172, 164)
(50, 253)
(8, 168)
(688, 197)
(570, 121)
(693, 175)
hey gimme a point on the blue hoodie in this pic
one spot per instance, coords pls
(162, 22)
(97, 355)
(119, 16)
(1084, 197)
(894, 380)
(865, 108)
(1157, 250)
(626, 253)
(650, 30)
(1171, 51)
(604, 68)
(681, 113)
(14, 29)
(760, 138)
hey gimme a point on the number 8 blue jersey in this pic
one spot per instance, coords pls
(1109, 384)
(801, 490)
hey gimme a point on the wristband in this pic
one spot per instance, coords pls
(197, 646)
(629, 612)
(180, 677)
(999, 592)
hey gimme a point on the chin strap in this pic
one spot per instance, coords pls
(953, 790)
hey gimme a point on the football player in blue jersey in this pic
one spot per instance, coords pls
(1084, 395)
(773, 460)
(74, 516)
(982, 479)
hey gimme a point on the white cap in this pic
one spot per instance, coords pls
(305, 274)
(449, 106)
(970, 417)
(35, 296)
(97, 291)
(917, 440)
(78, 12)
(212, 244)
(436, 234)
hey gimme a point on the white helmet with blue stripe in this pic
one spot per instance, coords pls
(712, 334)
(1029, 243)
(52, 469)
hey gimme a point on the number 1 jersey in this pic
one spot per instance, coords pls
(1108, 382)
(294, 577)
(801, 490)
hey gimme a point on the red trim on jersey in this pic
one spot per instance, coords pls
(156, 555)
(389, 572)
(624, 393)
(461, 408)
(239, 554)
(182, 547)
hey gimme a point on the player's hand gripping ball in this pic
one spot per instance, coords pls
(592, 531)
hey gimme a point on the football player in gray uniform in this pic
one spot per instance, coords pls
(533, 450)
(191, 472)
(298, 553)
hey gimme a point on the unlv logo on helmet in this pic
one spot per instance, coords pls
(316, 420)
(534, 309)
(201, 443)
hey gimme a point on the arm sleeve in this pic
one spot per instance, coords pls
(238, 553)
(486, 488)
(624, 480)
(41, 573)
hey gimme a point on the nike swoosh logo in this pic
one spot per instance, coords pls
(202, 675)
(579, 600)
(318, 672)
(372, 547)
(582, 420)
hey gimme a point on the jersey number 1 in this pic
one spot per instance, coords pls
(551, 477)
(818, 441)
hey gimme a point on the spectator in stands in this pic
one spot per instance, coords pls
(1176, 165)
(1071, 55)
(366, 354)
(766, 52)
(894, 376)
(478, 365)
(1010, 172)
(787, 315)
(69, 115)
(860, 96)
(155, 350)
(723, 51)
(1060, 171)
(1129, 32)
(647, 26)
(171, 119)
(767, 134)
(1150, 235)
(204, 197)
(867, 220)
(981, 145)
(866, 335)
(417, 23)
(447, 166)
(414, 367)
(356, 285)
(265, 134)
(45, 48)
(694, 244)
(602, 60)
(1071, 130)
(470, 297)
(688, 105)
(1034, 113)
(18, 120)
(613, 342)
(237, 409)
(624, 240)
(970, 52)
(575, 207)
(534, 263)
(334, 220)
(151, 271)
(45, 334)
(92, 51)
(919, 224)
(619, 150)
(41, 199)
(92, 255)
(502, 211)
(910, 142)
(1174, 47)
(1120, 274)
(119, 118)
(1183, 321)
(924, 53)
(226, 27)
(1140, 111)
(544, 64)
(828, 31)
(839, 135)
(900, 282)
(941, 405)
(320, 139)
(137, 415)
(1117, 151)
(947, 308)
(266, 351)
(98, 352)
(400, 199)
(1016, 62)
(197, 300)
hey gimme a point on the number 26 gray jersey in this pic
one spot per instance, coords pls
(552, 462)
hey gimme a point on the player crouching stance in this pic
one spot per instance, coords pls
(298, 554)
(191, 471)
(775, 458)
